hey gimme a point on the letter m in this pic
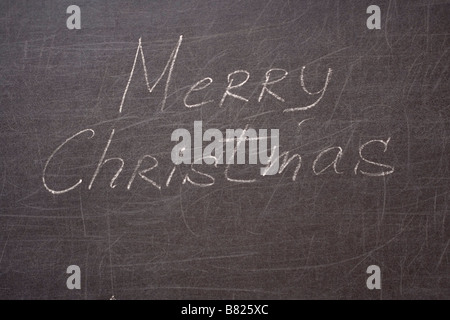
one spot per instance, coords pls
(167, 69)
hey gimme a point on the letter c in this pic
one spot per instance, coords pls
(53, 154)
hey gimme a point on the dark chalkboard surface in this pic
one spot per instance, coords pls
(364, 114)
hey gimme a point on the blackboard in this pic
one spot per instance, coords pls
(378, 194)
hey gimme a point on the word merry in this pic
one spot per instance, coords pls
(236, 79)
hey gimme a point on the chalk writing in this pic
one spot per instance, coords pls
(274, 160)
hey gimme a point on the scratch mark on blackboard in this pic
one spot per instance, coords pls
(386, 25)
(384, 199)
(109, 251)
(326, 265)
(442, 255)
(213, 289)
(232, 256)
(4, 179)
(427, 23)
(408, 130)
(259, 17)
(48, 55)
(327, 55)
(183, 214)
(25, 52)
(3, 250)
(82, 216)
(340, 93)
